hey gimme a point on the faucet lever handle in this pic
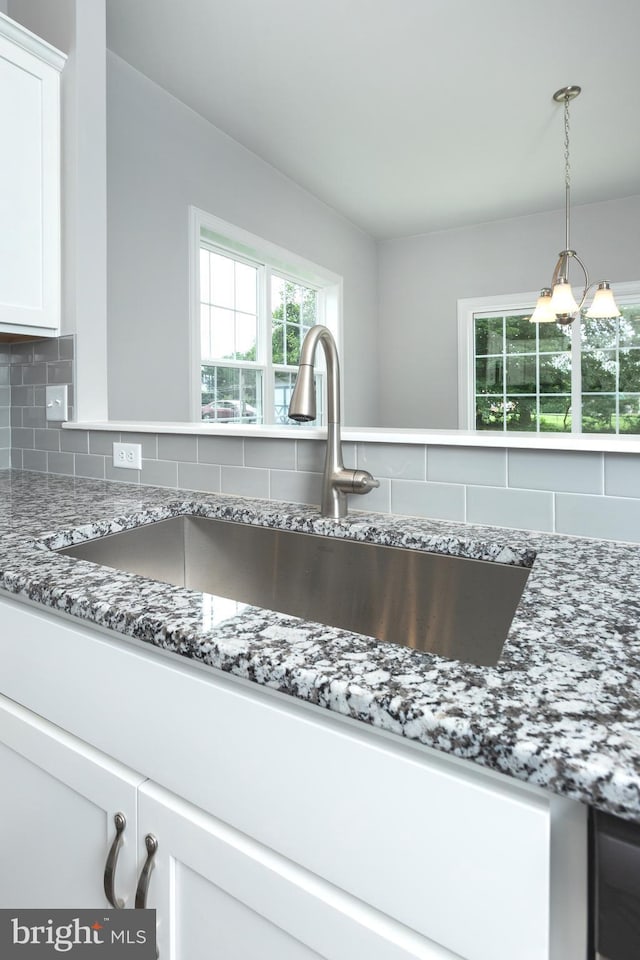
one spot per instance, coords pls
(355, 481)
(363, 482)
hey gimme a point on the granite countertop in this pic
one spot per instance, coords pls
(560, 710)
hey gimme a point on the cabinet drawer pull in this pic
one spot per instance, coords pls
(143, 883)
(112, 861)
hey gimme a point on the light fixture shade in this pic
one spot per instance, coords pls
(543, 312)
(604, 306)
(563, 302)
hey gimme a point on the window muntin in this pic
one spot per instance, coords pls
(547, 378)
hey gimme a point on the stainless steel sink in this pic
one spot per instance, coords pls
(452, 606)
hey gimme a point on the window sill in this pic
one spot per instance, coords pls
(461, 438)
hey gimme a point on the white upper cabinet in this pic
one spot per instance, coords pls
(29, 182)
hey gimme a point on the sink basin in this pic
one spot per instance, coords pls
(458, 608)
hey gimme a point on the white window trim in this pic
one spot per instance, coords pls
(241, 243)
(625, 293)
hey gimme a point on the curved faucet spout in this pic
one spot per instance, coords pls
(303, 401)
(337, 481)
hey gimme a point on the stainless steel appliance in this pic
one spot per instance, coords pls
(614, 888)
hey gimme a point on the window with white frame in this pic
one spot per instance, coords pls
(253, 303)
(520, 376)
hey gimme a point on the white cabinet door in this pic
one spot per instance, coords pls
(220, 894)
(29, 182)
(58, 801)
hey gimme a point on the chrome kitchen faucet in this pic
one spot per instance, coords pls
(337, 480)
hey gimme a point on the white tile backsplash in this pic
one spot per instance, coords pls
(443, 501)
(577, 472)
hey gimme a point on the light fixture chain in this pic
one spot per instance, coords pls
(567, 173)
(567, 161)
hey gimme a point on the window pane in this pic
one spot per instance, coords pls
(245, 347)
(520, 413)
(222, 333)
(222, 280)
(629, 370)
(291, 303)
(599, 371)
(246, 288)
(598, 334)
(284, 382)
(488, 335)
(598, 414)
(552, 338)
(231, 394)
(630, 327)
(555, 413)
(629, 413)
(521, 374)
(489, 413)
(555, 373)
(293, 311)
(277, 297)
(294, 336)
(309, 308)
(489, 374)
(520, 335)
(277, 343)
(283, 388)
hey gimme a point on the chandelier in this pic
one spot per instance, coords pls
(557, 304)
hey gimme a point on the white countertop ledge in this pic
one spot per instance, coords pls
(608, 443)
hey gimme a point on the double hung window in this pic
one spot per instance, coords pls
(542, 377)
(254, 303)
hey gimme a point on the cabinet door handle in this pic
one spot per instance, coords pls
(112, 861)
(143, 883)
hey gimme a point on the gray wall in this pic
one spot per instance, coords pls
(162, 157)
(421, 279)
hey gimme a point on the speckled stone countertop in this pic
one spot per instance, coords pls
(560, 710)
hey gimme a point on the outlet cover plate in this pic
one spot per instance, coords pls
(56, 402)
(128, 456)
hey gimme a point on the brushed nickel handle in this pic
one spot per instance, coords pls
(120, 823)
(143, 883)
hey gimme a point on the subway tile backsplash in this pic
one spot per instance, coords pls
(5, 406)
(583, 493)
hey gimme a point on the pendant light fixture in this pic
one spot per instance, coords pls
(557, 304)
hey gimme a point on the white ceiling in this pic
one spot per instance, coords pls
(407, 116)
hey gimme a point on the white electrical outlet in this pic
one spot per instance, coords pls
(127, 455)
